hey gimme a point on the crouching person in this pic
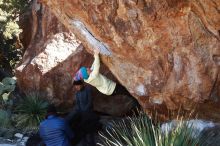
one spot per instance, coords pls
(54, 131)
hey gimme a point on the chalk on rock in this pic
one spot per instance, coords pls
(104, 49)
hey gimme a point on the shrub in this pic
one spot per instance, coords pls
(31, 110)
(6, 87)
(6, 128)
(11, 48)
(4, 119)
(140, 131)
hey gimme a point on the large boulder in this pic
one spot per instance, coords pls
(52, 57)
(165, 52)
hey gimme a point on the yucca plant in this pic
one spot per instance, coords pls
(31, 110)
(182, 135)
(140, 131)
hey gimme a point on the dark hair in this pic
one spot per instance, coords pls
(51, 109)
(80, 82)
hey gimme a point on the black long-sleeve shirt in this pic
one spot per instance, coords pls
(84, 101)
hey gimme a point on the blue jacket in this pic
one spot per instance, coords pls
(54, 131)
(84, 100)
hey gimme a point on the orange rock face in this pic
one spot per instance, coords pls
(52, 57)
(165, 52)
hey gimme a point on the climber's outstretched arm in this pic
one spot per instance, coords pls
(96, 64)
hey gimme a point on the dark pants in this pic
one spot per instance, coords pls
(35, 140)
(120, 90)
(84, 125)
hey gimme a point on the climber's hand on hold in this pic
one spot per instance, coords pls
(96, 51)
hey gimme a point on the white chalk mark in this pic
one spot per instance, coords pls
(96, 44)
(140, 90)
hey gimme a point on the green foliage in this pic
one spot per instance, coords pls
(5, 121)
(6, 87)
(11, 49)
(11, 29)
(31, 111)
(6, 128)
(9, 14)
(140, 131)
(181, 135)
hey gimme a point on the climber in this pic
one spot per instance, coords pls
(102, 83)
(83, 100)
(82, 118)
